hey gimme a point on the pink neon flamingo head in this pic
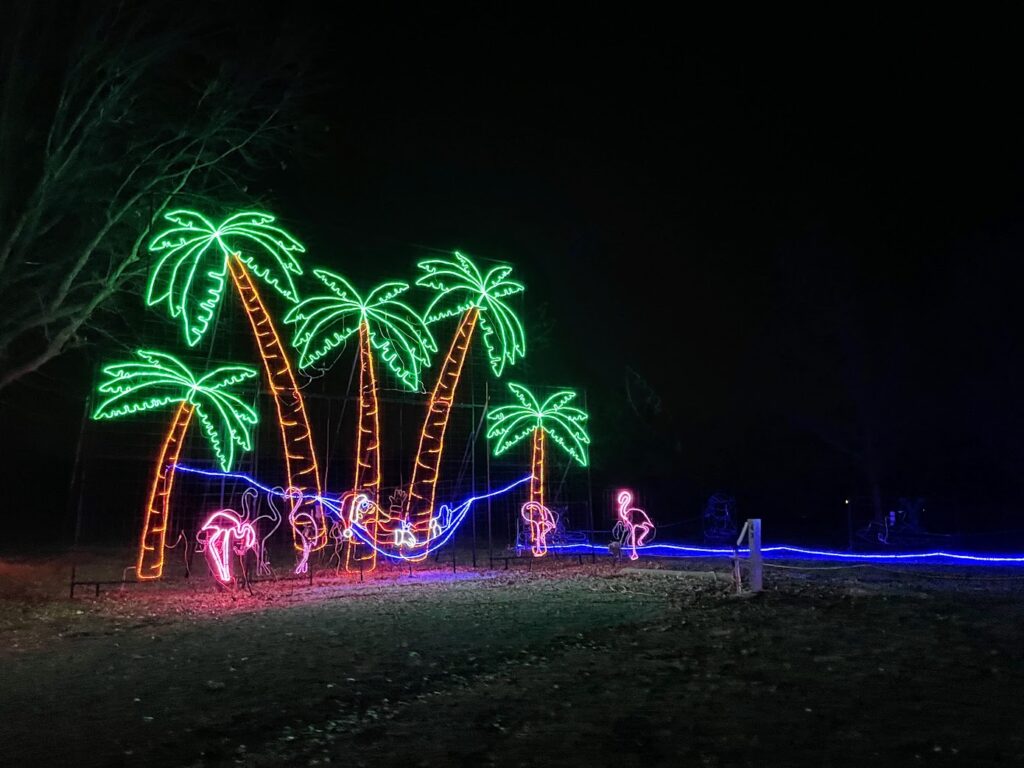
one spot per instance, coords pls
(296, 515)
(625, 498)
(221, 520)
(528, 510)
(246, 535)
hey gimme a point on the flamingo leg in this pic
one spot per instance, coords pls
(220, 552)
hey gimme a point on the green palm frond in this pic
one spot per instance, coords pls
(324, 323)
(460, 286)
(510, 428)
(137, 387)
(159, 379)
(510, 424)
(274, 260)
(226, 419)
(525, 397)
(397, 332)
(565, 427)
(191, 271)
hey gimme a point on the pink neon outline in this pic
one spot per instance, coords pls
(633, 518)
(222, 528)
(542, 522)
(302, 522)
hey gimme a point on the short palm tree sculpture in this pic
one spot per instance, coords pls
(383, 324)
(157, 380)
(477, 298)
(554, 418)
(195, 258)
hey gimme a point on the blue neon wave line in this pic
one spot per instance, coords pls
(250, 481)
(680, 550)
(652, 549)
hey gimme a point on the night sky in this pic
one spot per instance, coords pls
(756, 251)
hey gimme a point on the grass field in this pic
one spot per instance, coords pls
(566, 665)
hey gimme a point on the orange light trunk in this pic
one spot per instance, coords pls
(423, 486)
(367, 473)
(150, 563)
(296, 437)
(537, 467)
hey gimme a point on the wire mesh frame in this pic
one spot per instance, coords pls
(115, 457)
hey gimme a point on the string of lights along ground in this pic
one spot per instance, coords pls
(456, 514)
(787, 552)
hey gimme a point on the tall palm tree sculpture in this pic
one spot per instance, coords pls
(195, 258)
(477, 298)
(554, 418)
(401, 339)
(157, 380)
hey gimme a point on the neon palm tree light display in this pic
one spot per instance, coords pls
(157, 380)
(554, 418)
(195, 257)
(382, 323)
(477, 298)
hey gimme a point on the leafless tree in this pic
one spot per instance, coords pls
(109, 115)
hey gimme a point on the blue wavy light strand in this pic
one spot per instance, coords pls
(777, 552)
(785, 552)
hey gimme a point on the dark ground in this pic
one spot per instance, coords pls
(567, 665)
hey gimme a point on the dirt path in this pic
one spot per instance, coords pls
(574, 667)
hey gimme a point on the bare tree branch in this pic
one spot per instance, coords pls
(138, 115)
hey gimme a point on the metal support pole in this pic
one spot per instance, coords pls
(756, 565)
(849, 526)
(737, 574)
(74, 470)
(590, 496)
(472, 465)
(490, 528)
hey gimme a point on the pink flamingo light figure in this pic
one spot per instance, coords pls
(251, 503)
(542, 522)
(304, 526)
(223, 532)
(635, 523)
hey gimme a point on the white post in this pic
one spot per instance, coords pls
(756, 569)
(737, 573)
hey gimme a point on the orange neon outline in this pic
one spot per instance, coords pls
(162, 485)
(366, 370)
(239, 273)
(467, 324)
(537, 467)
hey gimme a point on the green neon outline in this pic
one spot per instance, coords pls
(563, 423)
(161, 379)
(190, 274)
(397, 332)
(461, 286)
